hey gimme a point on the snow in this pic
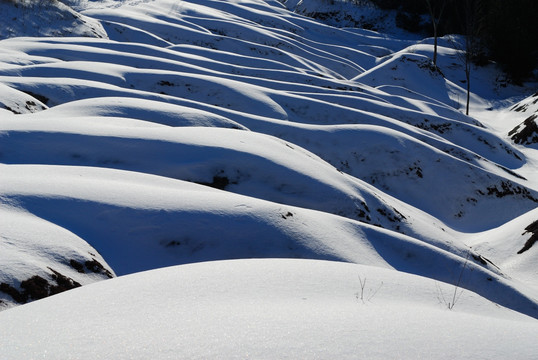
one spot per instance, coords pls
(43, 18)
(265, 309)
(242, 169)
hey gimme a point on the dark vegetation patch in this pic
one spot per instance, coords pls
(460, 154)
(431, 127)
(287, 215)
(363, 212)
(14, 293)
(34, 288)
(76, 265)
(533, 229)
(30, 105)
(342, 88)
(501, 145)
(519, 108)
(165, 83)
(417, 170)
(37, 287)
(510, 151)
(90, 266)
(63, 282)
(425, 65)
(412, 171)
(171, 243)
(96, 267)
(396, 216)
(12, 110)
(185, 244)
(484, 141)
(219, 182)
(507, 188)
(526, 133)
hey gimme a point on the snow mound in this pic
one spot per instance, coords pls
(526, 133)
(17, 102)
(150, 112)
(527, 106)
(139, 222)
(270, 309)
(40, 259)
(513, 247)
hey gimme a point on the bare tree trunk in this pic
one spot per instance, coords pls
(468, 78)
(472, 16)
(435, 44)
(436, 12)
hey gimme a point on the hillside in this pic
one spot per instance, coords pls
(140, 135)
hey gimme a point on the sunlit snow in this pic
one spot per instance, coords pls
(263, 184)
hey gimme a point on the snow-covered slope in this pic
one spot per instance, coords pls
(45, 18)
(40, 258)
(526, 133)
(204, 130)
(270, 309)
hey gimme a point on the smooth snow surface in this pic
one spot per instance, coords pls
(137, 135)
(270, 309)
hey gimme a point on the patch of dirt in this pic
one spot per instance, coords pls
(14, 293)
(363, 212)
(96, 267)
(63, 283)
(394, 217)
(287, 215)
(165, 83)
(425, 64)
(507, 188)
(37, 287)
(219, 182)
(13, 111)
(171, 243)
(431, 127)
(92, 265)
(32, 106)
(77, 266)
(533, 229)
(526, 133)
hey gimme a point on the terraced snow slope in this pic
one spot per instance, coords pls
(181, 132)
